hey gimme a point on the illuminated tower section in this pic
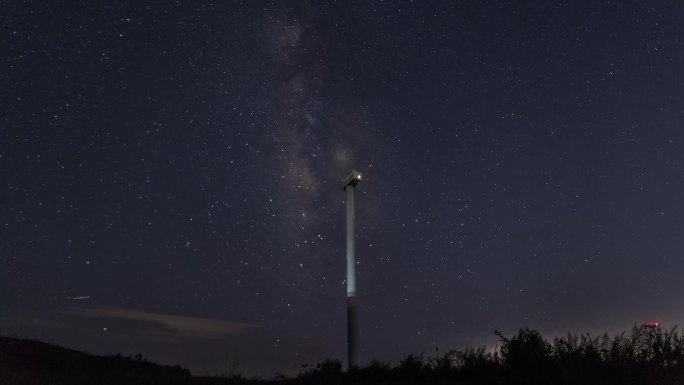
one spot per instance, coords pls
(349, 183)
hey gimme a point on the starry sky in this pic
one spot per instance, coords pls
(170, 174)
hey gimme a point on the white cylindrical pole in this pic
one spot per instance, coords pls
(352, 305)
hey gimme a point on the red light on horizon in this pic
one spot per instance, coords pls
(652, 324)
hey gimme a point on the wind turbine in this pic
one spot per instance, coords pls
(348, 185)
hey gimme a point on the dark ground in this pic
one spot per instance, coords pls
(645, 356)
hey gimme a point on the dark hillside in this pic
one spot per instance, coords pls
(33, 363)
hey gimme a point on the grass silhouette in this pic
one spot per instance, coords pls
(644, 356)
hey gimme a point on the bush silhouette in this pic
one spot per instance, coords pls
(528, 358)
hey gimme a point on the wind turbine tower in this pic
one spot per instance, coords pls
(348, 185)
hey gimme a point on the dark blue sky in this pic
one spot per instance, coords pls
(170, 174)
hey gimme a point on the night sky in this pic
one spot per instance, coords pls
(170, 174)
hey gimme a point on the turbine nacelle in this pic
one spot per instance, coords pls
(352, 179)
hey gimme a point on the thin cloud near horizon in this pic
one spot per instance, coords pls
(175, 325)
